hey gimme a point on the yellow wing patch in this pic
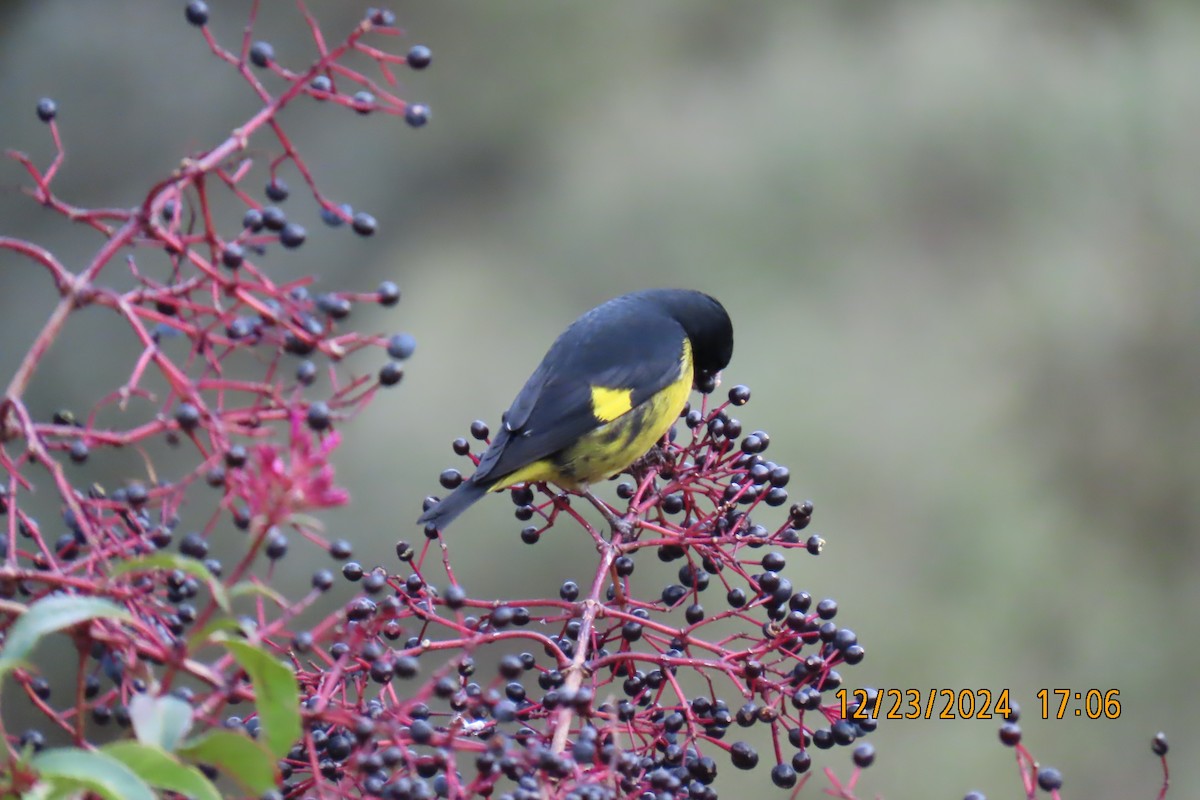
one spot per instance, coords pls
(608, 404)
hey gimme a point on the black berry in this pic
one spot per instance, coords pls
(306, 372)
(233, 255)
(273, 218)
(363, 223)
(389, 293)
(336, 217)
(401, 346)
(743, 755)
(197, 12)
(364, 102)
(390, 373)
(253, 220)
(47, 109)
(292, 235)
(78, 451)
(318, 417)
(419, 56)
(1049, 779)
(381, 16)
(783, 776)
(193, 545)
(262, 54)
(416, 115)
(277, 544)
(277, 190)
(188, 416)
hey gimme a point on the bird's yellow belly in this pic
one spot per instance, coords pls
(613, 446)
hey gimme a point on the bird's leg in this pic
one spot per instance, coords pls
(657, 458)
(561, 498)
(618, 525)
(620, 531)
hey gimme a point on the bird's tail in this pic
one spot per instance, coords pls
(447, 509)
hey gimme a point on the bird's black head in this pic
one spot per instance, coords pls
(706, 323)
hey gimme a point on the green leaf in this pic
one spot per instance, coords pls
(208, 632)
(238, 756)
(247, 588)
(59, 790)
(97, 772)
(40, 791)
(162, 770)
(276, 694)
(175, 561)
(160, 721)
(52, 614)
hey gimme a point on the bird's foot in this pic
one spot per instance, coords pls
(657, 458)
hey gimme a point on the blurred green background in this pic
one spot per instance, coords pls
(959, 242)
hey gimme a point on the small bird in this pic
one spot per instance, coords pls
(606, 391)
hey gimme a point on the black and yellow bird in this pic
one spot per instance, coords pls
(610, 387)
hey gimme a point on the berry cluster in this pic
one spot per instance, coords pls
(1035, 776)
(630, 684)
(218, 439)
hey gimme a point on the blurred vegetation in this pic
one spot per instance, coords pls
(958, 240)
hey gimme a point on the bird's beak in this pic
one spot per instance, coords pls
(703, 378)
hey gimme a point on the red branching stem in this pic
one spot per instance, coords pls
(1166, 782)
(592, 607)
(61, 275)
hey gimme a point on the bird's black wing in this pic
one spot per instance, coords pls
(628, 348)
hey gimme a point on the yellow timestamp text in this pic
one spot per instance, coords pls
(1090, 703)
(923, 704)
